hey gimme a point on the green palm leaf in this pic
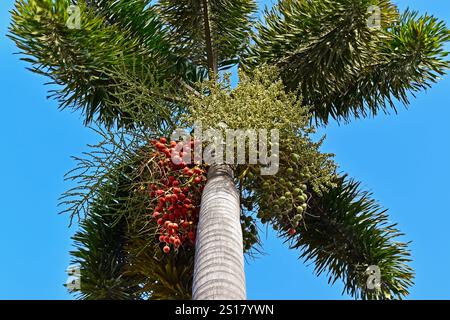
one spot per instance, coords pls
(228, 23)
(344, 232)
(340, 64)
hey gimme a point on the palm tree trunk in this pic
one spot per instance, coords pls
(219, 260)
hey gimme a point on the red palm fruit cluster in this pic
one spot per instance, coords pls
(176, 197)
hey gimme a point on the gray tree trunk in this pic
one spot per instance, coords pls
(219, 259)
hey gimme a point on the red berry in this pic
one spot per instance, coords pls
(176, 190)
(197, 180)
(166, 249)
(292, 231)
(155, 214)
(159, 192)
(160, 221)
(161, 238)
(177, 242)
(163, 140)
(191, 235)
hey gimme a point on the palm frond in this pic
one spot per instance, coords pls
(344, 233)
(340, 64)
(80, 62)
(229, 22)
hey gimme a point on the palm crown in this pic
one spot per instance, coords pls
(139, 69)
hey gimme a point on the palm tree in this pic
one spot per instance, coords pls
(134, 66)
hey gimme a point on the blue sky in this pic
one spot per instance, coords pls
(404, 159)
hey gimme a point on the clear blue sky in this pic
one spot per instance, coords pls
(404, 159)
